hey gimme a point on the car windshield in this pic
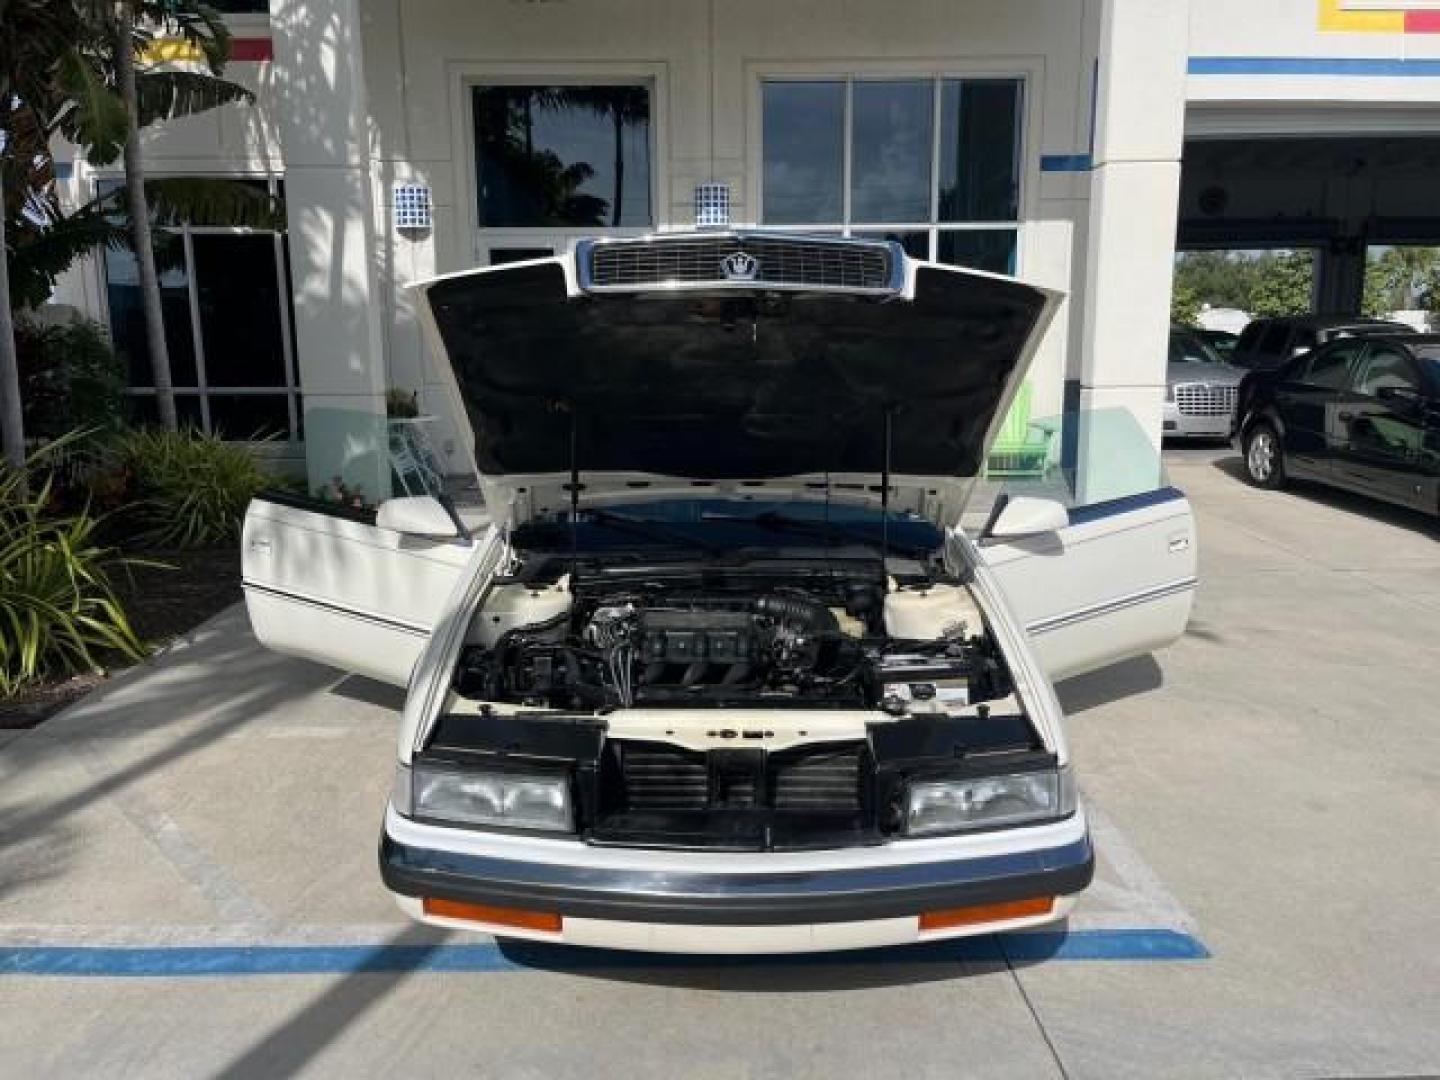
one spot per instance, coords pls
(1188, 348)
(718, 525)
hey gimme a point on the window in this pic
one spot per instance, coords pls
(1188, 348)
(1387, 368)
(1329, 369)
(557, 156)
(933, 164)
(225, 296)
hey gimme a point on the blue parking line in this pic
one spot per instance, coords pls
(230, 960)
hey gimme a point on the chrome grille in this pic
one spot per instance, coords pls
(1202, 399)
(688, 261)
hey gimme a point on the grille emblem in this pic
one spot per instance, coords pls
(739, 266)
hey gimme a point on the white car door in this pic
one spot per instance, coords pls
(326, 583)
(1118, 581)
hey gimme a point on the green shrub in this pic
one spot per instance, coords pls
(186, 489)
(57, 607)
(70, 378)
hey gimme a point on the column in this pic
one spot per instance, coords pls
(320, 88)
(1134, 200)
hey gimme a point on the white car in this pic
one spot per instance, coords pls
(724, 673)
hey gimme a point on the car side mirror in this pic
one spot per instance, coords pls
(1025, 515)
(420, 515)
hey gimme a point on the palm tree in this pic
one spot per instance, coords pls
(200, 26)
(73, 73)
(12, 423)
(622, 105)
(35, 32)
(140, 240)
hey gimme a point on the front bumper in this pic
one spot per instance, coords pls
(1176, 424)
(642, 899)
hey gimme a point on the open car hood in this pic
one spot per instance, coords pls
(665, 365)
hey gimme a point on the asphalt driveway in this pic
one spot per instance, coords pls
(188, 888)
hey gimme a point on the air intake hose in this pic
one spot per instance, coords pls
(799, 614)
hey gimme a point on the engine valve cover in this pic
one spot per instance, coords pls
(688, 637)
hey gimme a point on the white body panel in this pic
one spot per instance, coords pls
(1117, 582)
(344, 593)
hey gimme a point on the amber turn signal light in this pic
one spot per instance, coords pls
(985, 913)
(495, 916)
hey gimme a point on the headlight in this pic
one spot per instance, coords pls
(508, 800)
(988, 802)
(1169, 391)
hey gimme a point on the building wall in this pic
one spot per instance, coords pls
(1102, 135)
(1251, 62)
(706, 58)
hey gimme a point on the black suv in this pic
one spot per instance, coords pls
(1362, 413)
(1267, 343)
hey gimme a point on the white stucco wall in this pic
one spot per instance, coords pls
(706, 59)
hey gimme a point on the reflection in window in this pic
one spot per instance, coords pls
(562, 155)
(916, 244)
(988, 249)
(804, 143)
(239, 301)
(888, 168)
(979, 150)
(127, 317)
(1388, 369)
(249, 416)
(1330, 369)
(890, 177)
(237, 282)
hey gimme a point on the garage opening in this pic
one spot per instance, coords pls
(1277, 226)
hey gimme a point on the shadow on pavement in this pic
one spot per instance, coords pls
(858, 969)
(285, 1050)
(1125, 679)
(117, 714)
(1346, 501)
(369, 692)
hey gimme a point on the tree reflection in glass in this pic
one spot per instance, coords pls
(574, 156)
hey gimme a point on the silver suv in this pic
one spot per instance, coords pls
(1200, 388)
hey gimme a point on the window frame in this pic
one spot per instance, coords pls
(1028, 75)
(1307, 362)
(202, 390)
(1361, 370)
(465, 77)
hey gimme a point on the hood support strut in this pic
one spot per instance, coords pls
(885, 488)
(569, 406)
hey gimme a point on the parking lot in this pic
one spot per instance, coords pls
(188, 883)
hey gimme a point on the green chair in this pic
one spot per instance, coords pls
(1021, 449)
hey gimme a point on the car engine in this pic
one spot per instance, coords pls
(838, 643)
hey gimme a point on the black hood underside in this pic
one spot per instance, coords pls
(736, 384)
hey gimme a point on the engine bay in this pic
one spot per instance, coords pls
(699, 637)
(639, 684)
